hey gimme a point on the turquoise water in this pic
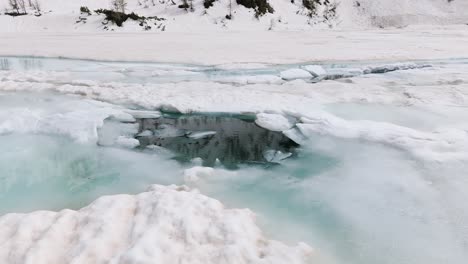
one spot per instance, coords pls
(51, 172)
(354, 202)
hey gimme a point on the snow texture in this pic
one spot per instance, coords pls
(65, 16)
(164, 225)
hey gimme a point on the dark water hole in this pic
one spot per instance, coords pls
(230, 140)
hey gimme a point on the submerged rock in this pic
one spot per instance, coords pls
(275, 156)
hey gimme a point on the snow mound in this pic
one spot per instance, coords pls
(293, 74)
(164, 225)
(273, 122)
(441, 145)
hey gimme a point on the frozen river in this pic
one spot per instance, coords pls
(365, 162)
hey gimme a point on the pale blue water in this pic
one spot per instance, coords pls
(53, 172)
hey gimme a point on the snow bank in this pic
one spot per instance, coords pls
(244, 47)
(293, 74)
(164, 225)
(439, 91)
(67, 116)
(442, 145)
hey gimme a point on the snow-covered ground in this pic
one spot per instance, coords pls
(245, 47)
(65, 15)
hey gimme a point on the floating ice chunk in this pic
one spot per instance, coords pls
(111, 130)
(315, 70)
(293, 74)
(146, 133)
(273, 122)
(295, 135)
(194, 174)
(144, 114)
(127, 142)
(202, 134)
(197, 161)
(165, 131)
(199, 175)
(124, 117)
(162, 225)
(275, 156)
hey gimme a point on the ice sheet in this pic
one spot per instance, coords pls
(381, 177)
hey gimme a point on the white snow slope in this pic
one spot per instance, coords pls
(64, 15)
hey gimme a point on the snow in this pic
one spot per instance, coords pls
(196, 173)
(315, 70)
(369, 136)
(439, 90)
(144, 114)
(76, 118)
(127, 142)
(65, 16)
(274, 122)
(164, 225)
(293, 74)
(443, 145)
(412, 43)
(388, 148)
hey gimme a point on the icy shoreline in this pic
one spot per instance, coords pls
(411, 43)
(290, 94)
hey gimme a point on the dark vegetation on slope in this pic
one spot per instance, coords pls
(21, 7)
(208, 3)
(261, 7)
(118, 18)
(85, 10)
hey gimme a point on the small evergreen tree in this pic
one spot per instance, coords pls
(17, 6)
(261, 7)
(312, 5)
(119, 5)
(185, 5)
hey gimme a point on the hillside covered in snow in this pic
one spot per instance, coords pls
(222, 15)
